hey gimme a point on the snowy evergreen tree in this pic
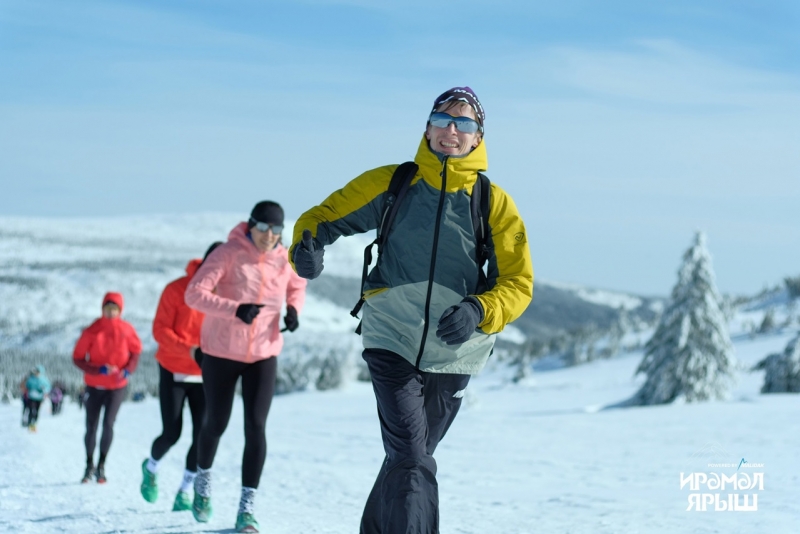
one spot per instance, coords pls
(690, 355)
(332, 371)
(782, 370)
(528, 353)
(792, 286)
(768, 323)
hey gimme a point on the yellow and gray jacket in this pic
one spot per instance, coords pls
(429, 259)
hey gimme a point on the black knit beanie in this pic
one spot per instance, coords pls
(266, 211)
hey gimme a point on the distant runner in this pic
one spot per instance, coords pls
(107, 353)
(37, 386)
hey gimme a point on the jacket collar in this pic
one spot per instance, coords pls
(239, 236)
(461, 171)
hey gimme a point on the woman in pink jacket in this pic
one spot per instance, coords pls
(241, 288)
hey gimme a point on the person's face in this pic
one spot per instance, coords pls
(449, 141)
(264, 241)
(111, 311)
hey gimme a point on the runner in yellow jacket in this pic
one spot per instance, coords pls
(427, 323)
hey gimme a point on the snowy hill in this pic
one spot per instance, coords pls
(57, 270)
(54, 272)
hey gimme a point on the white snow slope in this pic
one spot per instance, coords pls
(538, 458)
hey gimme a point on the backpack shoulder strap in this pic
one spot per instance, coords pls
(398, 187)
(479, 207)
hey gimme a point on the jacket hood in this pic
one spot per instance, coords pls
(116, 298)
(461, 171)
(192, 267)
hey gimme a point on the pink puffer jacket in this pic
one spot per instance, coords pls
(238, 273)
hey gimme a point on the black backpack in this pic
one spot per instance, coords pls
(398, 187)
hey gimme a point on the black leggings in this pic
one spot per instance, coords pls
(111, 400)
(172, 396)
(26, 409)
(258, 386)
(33, 411)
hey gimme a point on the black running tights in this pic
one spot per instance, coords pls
(172, 396)
(97, 399)
(258, 387)
(33, 411)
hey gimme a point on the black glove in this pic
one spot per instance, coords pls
(290, 319)
(308, 257)
(198, 356)
(248, 312)
(458, 322)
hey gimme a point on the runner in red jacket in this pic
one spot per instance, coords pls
(176, 328)
(107, 353)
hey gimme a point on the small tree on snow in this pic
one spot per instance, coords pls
(782, 370)
(690, 355)
(768, 323)
(792, 286)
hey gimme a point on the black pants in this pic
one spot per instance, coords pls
(172, 396)
(26, 410)
(258, 387)
(415, 410)
(97, 399)
(33, 411)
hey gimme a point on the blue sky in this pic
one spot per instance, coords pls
(619, 127)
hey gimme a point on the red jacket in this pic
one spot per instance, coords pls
(176, 327)
(107, 342)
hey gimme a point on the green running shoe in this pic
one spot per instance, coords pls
(182, 502)
(149, 486)
(201, 508)
(246, 523)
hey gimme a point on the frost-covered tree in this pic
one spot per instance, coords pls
(792, 286)
(333, 370)
(768, 323)
(782, 370)
(690, 355)
(524, 357)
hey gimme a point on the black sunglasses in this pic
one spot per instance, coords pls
(463, 124)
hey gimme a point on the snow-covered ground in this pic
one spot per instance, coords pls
(542, 457)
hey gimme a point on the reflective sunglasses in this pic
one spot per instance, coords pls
(263, 227)
(463, 124)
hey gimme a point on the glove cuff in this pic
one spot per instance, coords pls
(477, 304)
